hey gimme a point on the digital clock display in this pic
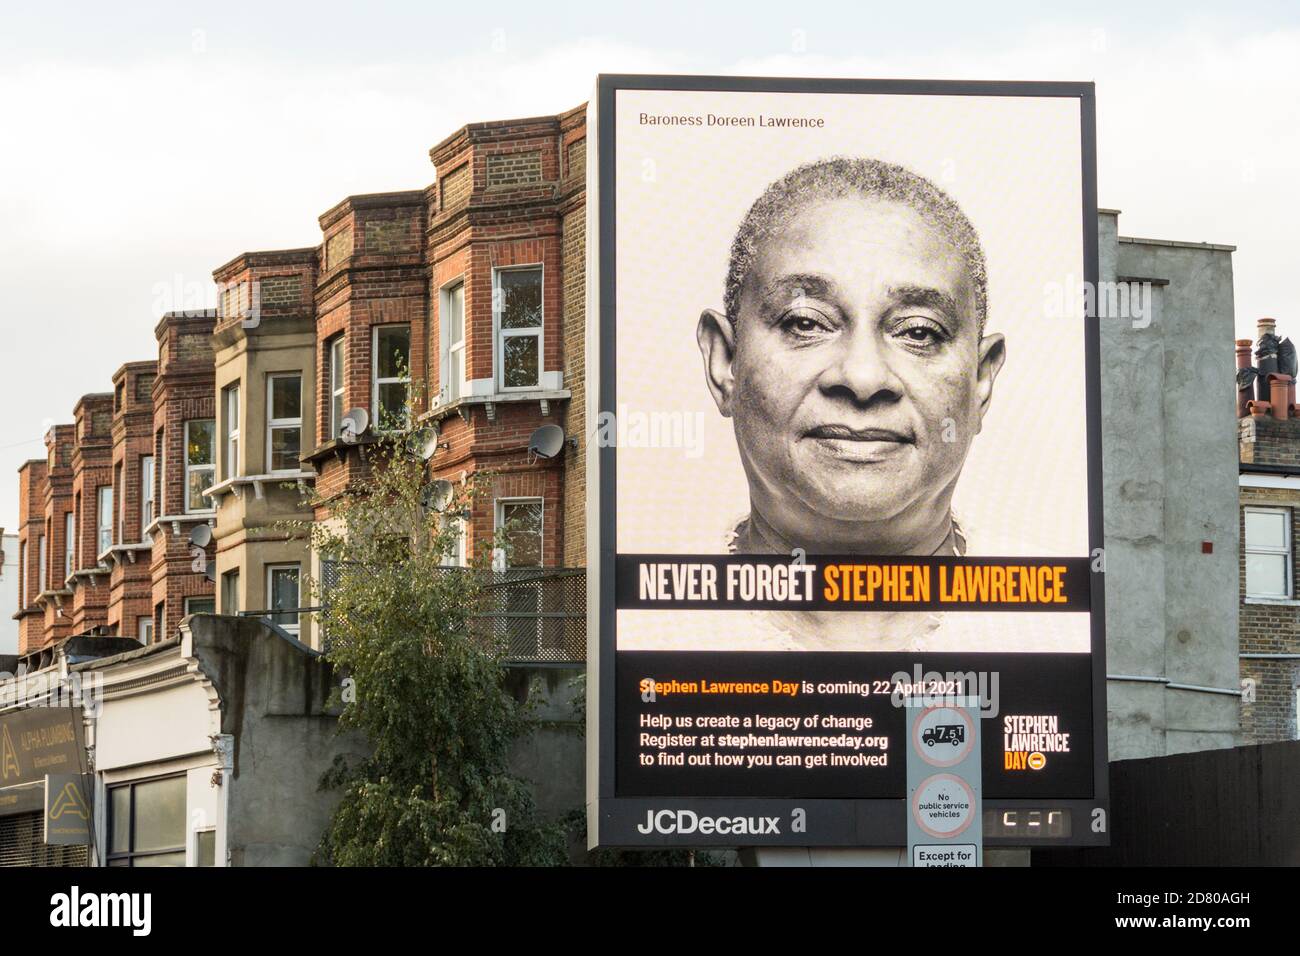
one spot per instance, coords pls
(1027, 824)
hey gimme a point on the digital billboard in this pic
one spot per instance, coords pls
(843, 421)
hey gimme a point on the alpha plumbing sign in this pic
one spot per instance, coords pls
(848, 456)
(39, 741)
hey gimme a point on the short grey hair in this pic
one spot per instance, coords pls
(840, 177)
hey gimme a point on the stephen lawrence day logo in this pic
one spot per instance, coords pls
(1027, 739)
(73, 909)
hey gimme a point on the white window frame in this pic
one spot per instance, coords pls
(189, 469)
(337, 384)
(375, 381)
(499, 521)
(456, 557)
(23, 576)
(119, 500)
(147, 490)
(296, 628)
(185, 605)
(499, 335)
(451, 381)
(42, 573)
(144, 628)
(230, 407)
(281, 424)
(69, 544)
(103, 519)
(1285, 551)
(229, 592)
(160, 471)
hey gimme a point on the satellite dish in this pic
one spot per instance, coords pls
(210, 571)
(428, 442)
(436, 495)
(547, 441)
(201, 536)
(355, 422)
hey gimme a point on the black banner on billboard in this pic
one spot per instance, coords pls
(758, 582)
(832, 725)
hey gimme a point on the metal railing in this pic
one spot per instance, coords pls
(537, 615)
(531, 615)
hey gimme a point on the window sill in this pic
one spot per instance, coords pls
(237, 484)
(175, 521)
(89, 574)
(45, 597)
(339, 448)
(1279, 602)
(489, 402)
(131, 550)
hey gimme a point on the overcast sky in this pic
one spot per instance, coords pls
(142, 149)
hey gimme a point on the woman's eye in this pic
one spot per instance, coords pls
(806, 323)
(920, 332)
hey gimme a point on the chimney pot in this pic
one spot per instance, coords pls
(1278, 386)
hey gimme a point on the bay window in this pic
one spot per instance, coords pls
(517, 303)
(69, 544)
(230, 466)
(104, 520)
(284, 423)
(453, 341)
(199, 466)
(147, 513)
(390, 382)
(282, 585)
(336, 386)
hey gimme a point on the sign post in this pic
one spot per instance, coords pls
(944, 822)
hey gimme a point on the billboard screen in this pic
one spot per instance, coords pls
(844, 418)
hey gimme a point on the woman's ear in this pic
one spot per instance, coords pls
(716, 337)
(993, 352)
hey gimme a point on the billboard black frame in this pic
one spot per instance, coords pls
(841, 822)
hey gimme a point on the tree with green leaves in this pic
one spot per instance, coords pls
(426, 686)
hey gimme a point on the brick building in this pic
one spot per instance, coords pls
(461, 304)
(266, 415)
(30, 615)
(58, 530)
(130, 604)
(506, 316)
(92, 488)
(184, 439)
(1270, 506)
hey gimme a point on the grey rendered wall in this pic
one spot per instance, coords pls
(273, 694)
(1170, 483)
(553, 758)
